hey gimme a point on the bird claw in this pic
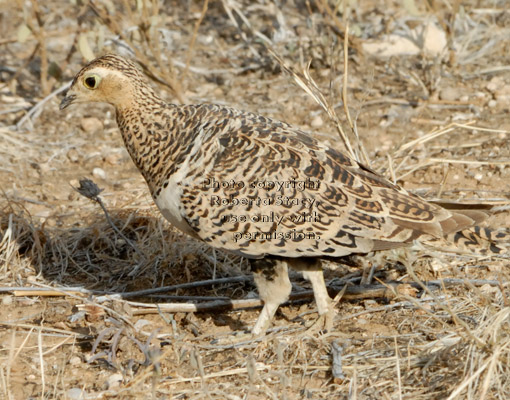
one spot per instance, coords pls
(324, 323)
(237, 339)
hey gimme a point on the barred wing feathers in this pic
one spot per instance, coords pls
(264, 187)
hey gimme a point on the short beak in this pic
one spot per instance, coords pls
(67, 101)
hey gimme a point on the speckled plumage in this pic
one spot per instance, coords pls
(209, 169)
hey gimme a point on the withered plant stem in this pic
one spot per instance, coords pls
(91, 191)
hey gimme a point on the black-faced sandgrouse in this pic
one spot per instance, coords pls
(258, 187)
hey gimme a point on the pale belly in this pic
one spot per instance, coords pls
(168, 202)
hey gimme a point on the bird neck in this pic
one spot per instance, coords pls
(140, 125)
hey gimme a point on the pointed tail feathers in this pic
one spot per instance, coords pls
(482, 240)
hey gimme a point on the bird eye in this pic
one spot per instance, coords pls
(91, 82)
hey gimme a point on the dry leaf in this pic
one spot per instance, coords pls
(23, 33)
(84, 47)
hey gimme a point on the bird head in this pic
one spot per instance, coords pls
(109, 79)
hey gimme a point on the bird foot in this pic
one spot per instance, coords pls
(237, 339)
(324, 323)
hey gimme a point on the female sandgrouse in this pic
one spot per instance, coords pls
(258, 187)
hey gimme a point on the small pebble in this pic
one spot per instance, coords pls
(492, 103)
(91, 125)
(207, 40)
(44, 167)
(436, 265)
(99, 173)
(434, 39)
(479, 177)
(502, 95)
(141, 323)
(75, 394)
(75, 360)
(317, 122)
(114, 381)
(494, 84)
(50, 222)
(113, 158)
(73, 155)
(7, 300)
(450, 94)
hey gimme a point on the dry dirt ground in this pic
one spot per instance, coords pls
(428, 87)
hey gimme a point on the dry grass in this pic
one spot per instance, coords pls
(96, 321)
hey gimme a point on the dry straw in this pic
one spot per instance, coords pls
(442, 338)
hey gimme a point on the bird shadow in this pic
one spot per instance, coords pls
(128, 251)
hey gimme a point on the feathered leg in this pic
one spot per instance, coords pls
(272, 279)
(312, 271)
